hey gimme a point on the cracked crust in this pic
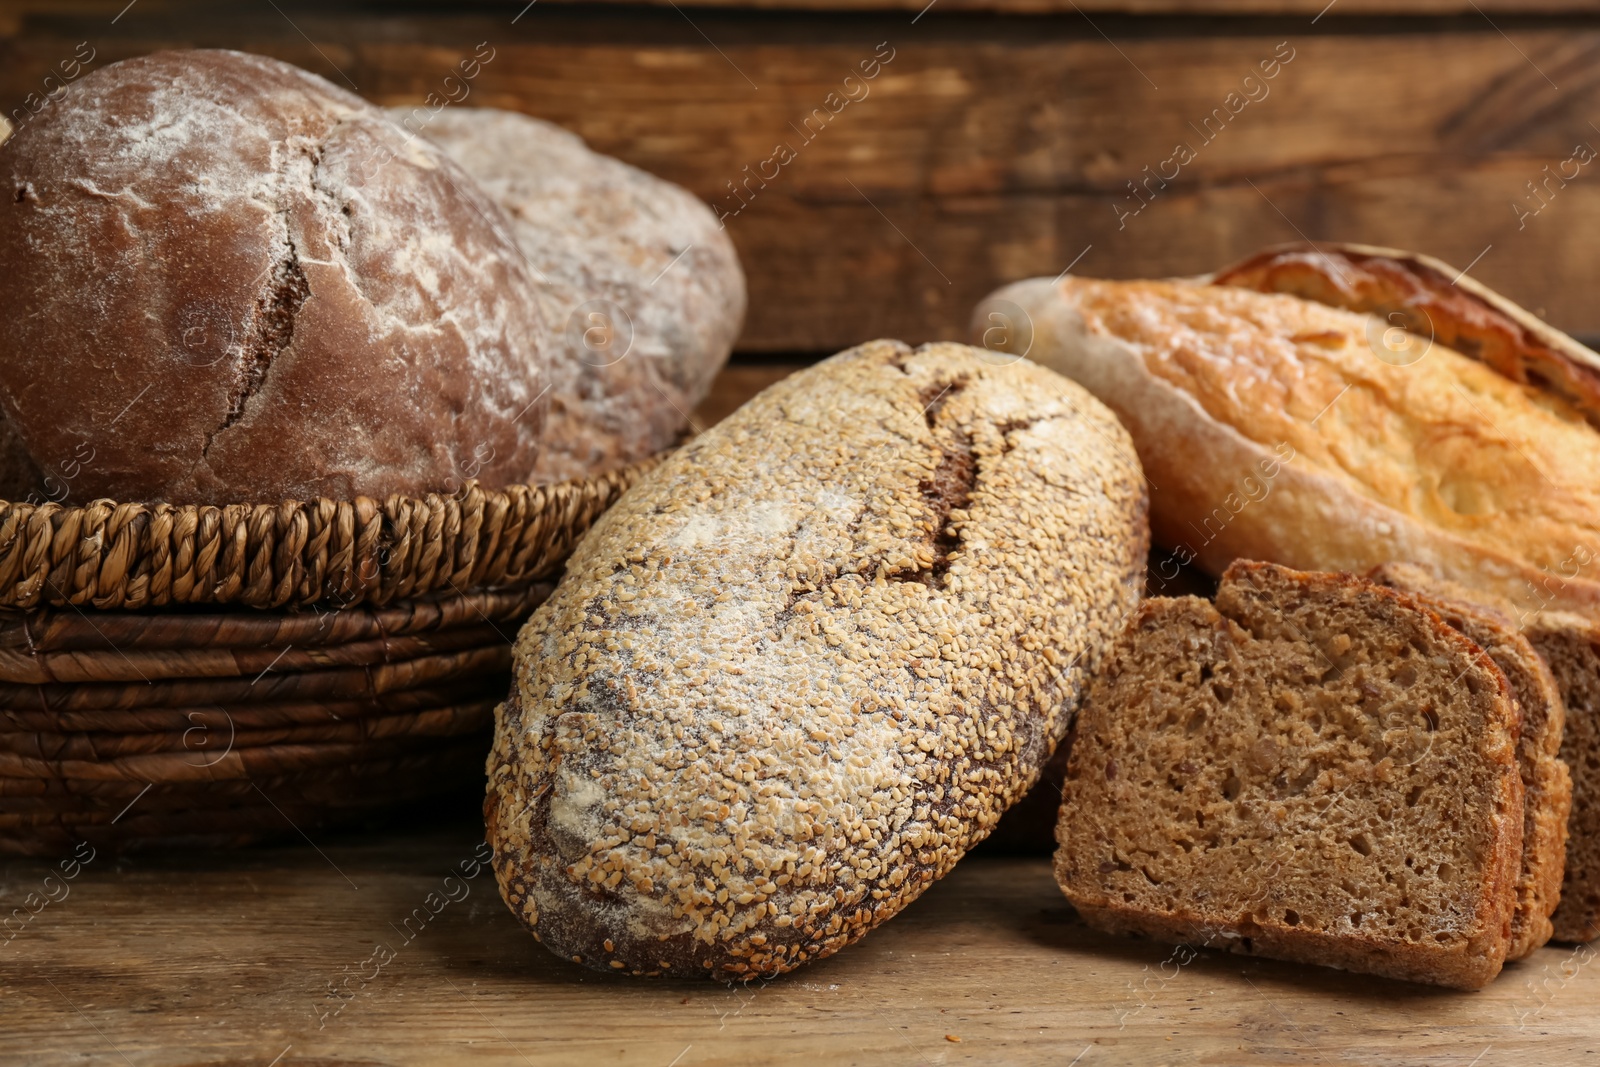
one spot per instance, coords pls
(1314, 769)
(1431, 299)
(1278, 429)
(612, 241)
(233, 281)
(803, 666)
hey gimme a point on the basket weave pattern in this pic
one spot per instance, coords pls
(205, 675)
(221, 727)
(109, 555)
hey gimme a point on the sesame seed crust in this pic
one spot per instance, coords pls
(795, 673)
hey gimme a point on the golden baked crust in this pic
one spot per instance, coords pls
(1433, 300)
(803, 666)
(1272, 429)
(1315, 768)
(1445, 439)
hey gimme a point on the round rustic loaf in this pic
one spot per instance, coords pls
(803, 666)
(637, 280)
(232, 281)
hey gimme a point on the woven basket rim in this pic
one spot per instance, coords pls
(110, 555)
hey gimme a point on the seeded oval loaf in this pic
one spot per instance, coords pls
(230, 281)
(640, 286)
(1285, 429)
(1314, 769)
(1546, 782)
(803, 666)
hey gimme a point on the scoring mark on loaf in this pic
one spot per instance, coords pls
(272, 324)
(798, 671)
(308, 304)
(952, 483)
(273, 332)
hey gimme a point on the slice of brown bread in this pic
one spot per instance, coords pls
(1315, 769)
(1570, 644)
(1546, 784)
(1029, 826)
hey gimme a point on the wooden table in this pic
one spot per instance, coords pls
(265, 957)
(329, 949)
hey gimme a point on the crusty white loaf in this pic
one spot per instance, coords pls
(1273, 427)
(1434, 301)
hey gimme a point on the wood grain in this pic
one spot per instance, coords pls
(1307, 8)
(995, 148)
(16, 9)
(228, 959)
(737, 383)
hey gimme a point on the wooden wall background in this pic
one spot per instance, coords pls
(999, 139)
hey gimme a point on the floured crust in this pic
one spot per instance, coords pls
(640, 287)
(1546, 781)
(1211, 807)
(803, 666)
(230, 281)
(1270, 429)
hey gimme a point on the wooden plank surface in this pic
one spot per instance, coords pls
(302, 955)
(392, 947)
(1336, 9)
(737, 383)
(1303, 8)
(989, 149)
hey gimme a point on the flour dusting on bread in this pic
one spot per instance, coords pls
(809, 660)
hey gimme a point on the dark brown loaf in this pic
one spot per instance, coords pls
(231, 281)
(1546, 782)
(20, 477)
(1314, 769)
(802, 666)
(639, 284)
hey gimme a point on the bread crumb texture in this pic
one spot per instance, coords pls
(1571, 646)
(1314, 769)
(802, 667)
(1546, 781)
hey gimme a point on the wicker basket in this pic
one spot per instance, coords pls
(201, 675)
